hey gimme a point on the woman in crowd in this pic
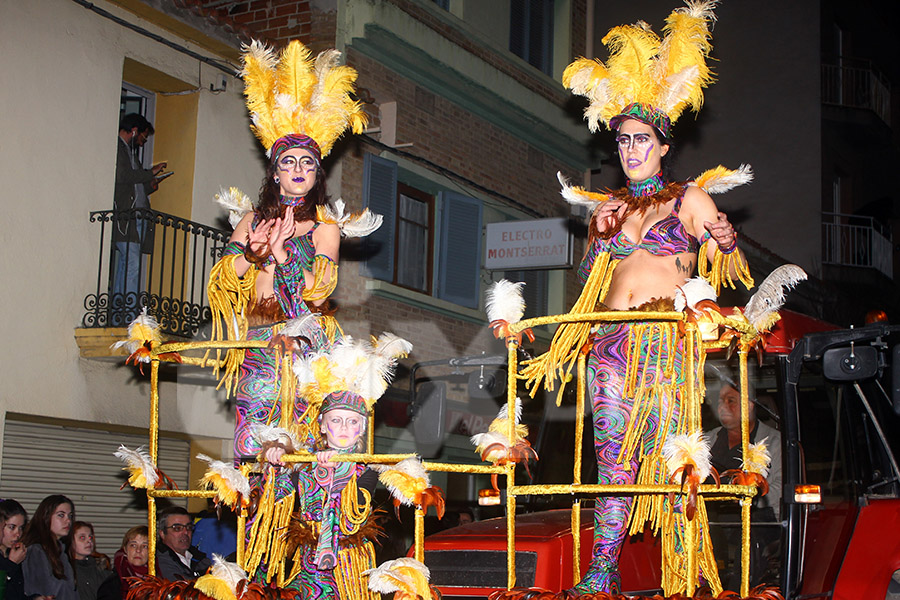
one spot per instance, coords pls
(12, 550)
(48, 574)
(93, 577)
(645, 241)
(131, 559)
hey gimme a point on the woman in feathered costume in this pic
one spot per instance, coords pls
(645, 241)
(281, 263)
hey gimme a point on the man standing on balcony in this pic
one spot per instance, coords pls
(133, 186)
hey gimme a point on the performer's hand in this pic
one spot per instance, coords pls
(721, 231)
(607, 215)
(17, 553)
(282, 231)
(273, 455)
(324, 458)
(258, 239)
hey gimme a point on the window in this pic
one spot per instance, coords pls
(415, 222)
(535, 291)
(430, 241)
(531, 32)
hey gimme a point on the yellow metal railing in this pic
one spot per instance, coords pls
(742, 493)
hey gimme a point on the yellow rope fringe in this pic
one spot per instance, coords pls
(694, 538)
(229, 299)
(558, 361)
(325, 278)
(719, 273)
(354, 514)
(267, 534)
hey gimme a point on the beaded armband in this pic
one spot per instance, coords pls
(325, 272)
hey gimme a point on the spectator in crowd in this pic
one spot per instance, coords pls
(47, 573)
(12, 550)
(176, 558)
(134, 184)
(94, 580)
(131, 559)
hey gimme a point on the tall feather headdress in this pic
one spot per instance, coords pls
(647, 77)
(360, 367)
(294, 93)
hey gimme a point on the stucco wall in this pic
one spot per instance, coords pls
(62, 69)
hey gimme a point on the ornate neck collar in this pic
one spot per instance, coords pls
(292, 200)
(648, 187)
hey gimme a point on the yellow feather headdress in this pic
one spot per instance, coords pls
(294, 93)
(646, 77)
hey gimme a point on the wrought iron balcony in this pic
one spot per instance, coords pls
(856, 84)
(167, 276)
(856, 241)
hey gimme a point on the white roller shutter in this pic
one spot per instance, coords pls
(40, 459)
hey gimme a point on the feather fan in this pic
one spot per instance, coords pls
(405, 480)
(138, 464)
(229, 483)
(222, 580)
(769, 296)
(505, 301)
(681, 450)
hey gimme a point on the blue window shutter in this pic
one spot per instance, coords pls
(459, 261)
(380, 196)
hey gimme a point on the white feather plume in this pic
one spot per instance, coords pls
(758, 458)
(237, 481)
(505, 301)
(769, 296)
(482, 441)
(138, 460)
(389, 577)
(304, 326)
(504, 411)
(144, 328)
(378, 367)
(693, 291)
(236, 202)
(351, 224)
(575, 195)
(680, 450)
(221, 572)
(677, 88)
(263, 433)
(729, 180)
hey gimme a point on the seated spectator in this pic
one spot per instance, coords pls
(12, 550)
(131, 559)
(176, 558)
(94, 580)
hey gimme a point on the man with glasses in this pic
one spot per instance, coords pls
(176, 558)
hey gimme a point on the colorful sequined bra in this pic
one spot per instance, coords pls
(667, 237)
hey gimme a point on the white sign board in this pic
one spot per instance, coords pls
(536, 244)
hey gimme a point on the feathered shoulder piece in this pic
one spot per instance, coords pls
(292, 92)
(667, 73)
(350, 224)
(578, 196)
(720, 179)
(236, 202)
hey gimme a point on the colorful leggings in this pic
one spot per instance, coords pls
(606, 367)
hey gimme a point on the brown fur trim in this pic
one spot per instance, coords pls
(265, 311)
(305, 533)
(635, 205)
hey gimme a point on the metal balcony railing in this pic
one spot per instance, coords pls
(856, 241)
(856, 84)
(167, 276)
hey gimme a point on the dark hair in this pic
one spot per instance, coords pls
(270, 206)
(39, 533)
(10, 508)
(132, 120)
(135, 532)
(102, 559)
(162, 519)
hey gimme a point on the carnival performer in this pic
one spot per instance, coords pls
(332, 529)
(645, 241)
(281, 262)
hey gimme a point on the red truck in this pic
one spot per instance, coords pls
(835, 399)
